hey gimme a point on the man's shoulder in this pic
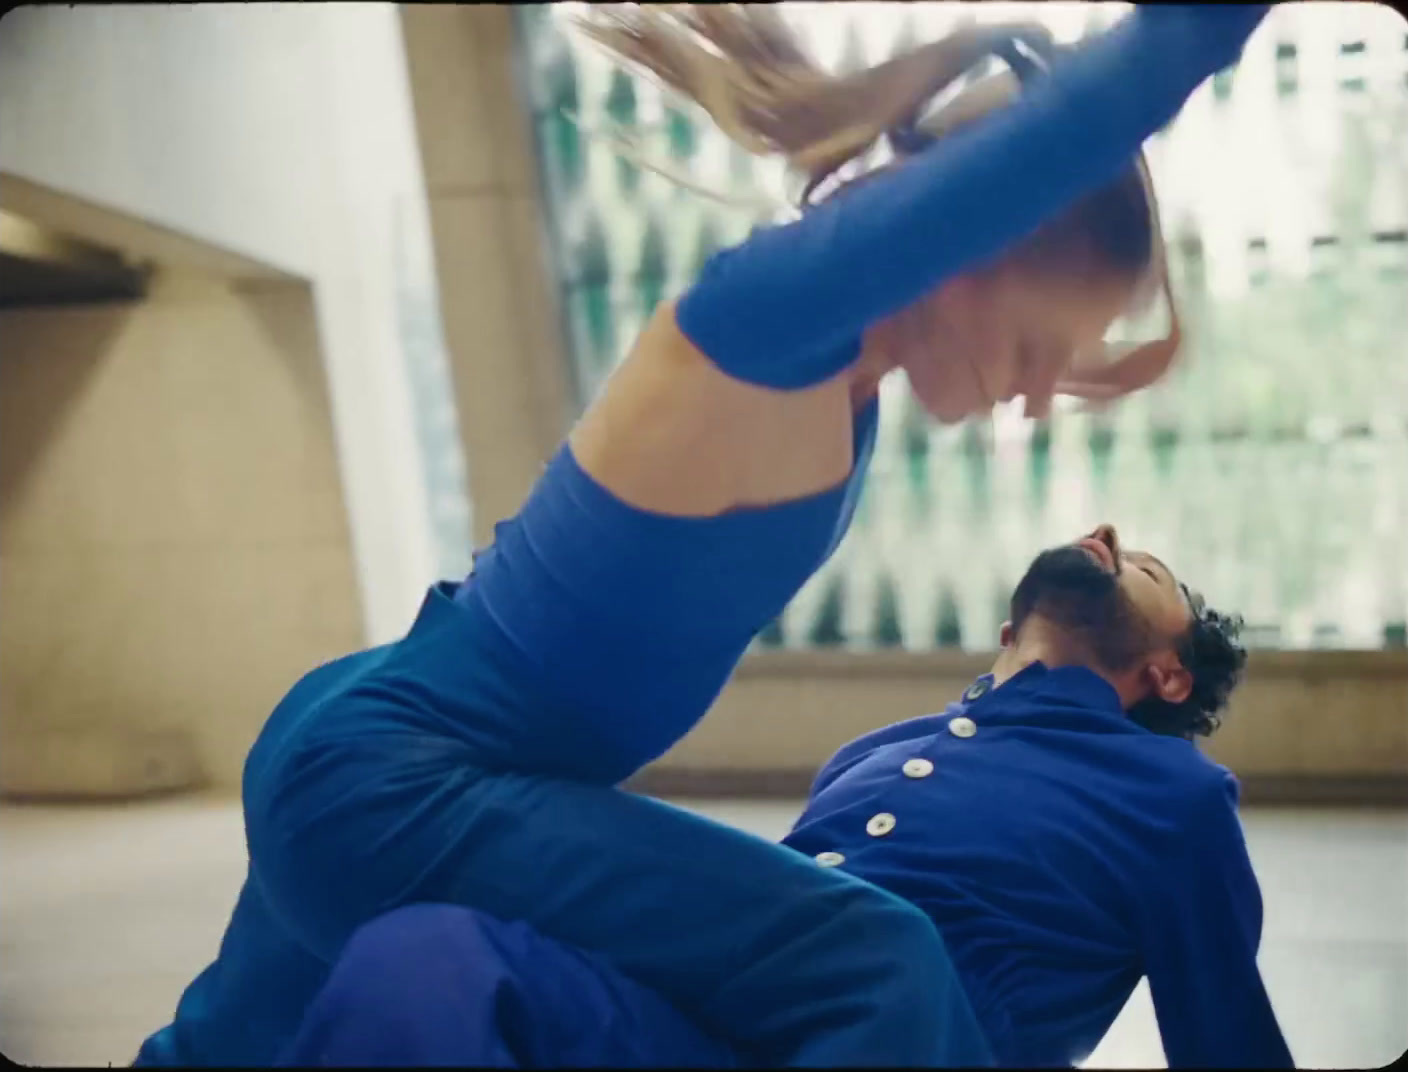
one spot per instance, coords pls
(857, 750)
(1199, 790)
(1186, 757)
(905, 730)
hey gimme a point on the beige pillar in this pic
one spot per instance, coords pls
(497, 298)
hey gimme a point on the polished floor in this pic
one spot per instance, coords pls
(107, 912)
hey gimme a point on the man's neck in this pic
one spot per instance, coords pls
(1011, 662)
(1047, 650)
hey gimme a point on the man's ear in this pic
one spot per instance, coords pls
(1005, 635)
(1169, 680)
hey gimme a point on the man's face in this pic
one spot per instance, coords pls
(1120, 608)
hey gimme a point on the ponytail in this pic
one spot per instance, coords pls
(743, 65)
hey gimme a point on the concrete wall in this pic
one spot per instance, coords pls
(150, 622)
(174, 548)
(282, 132)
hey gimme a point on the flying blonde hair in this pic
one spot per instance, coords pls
(744, 66)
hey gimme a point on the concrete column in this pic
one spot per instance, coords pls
(498, 301)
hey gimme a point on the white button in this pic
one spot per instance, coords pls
(917, 768)
(880, 825)
(962, 727)
(830, 859)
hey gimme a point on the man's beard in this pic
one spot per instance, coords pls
(1069, 589)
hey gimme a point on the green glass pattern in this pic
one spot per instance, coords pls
(620, 106)
(888, 632)
(1039, 464)
(829, 627)
(949, 633)
(651, 275)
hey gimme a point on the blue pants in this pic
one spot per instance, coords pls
(439, 985)
(359, 801)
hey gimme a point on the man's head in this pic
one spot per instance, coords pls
(1173, 660)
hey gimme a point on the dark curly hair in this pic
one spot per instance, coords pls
(1210, 651)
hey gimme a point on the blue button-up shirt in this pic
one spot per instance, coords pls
(1063, 852)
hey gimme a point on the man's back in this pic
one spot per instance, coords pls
(1055, 843)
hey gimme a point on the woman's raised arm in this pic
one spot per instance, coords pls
(785, 308)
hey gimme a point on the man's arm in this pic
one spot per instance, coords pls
(1200, 949)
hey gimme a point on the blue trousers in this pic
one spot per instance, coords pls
(359, 800)
(440, 985)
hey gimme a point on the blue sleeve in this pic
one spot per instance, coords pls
(1200, 955)
(787, 307)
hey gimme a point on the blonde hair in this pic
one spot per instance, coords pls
(744, 66)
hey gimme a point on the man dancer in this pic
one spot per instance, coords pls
(1057, 825)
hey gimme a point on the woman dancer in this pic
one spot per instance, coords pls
(473, 762)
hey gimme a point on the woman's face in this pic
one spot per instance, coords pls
(993, 334)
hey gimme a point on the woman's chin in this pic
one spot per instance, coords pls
(944, 400)
(947, 414)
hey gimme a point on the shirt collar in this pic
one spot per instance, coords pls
(1076, 686)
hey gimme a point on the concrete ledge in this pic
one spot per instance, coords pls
(1332, 718)
(141, 241)
(98, 763)
(1261, 665)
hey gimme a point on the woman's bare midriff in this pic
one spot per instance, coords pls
(672, 434)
